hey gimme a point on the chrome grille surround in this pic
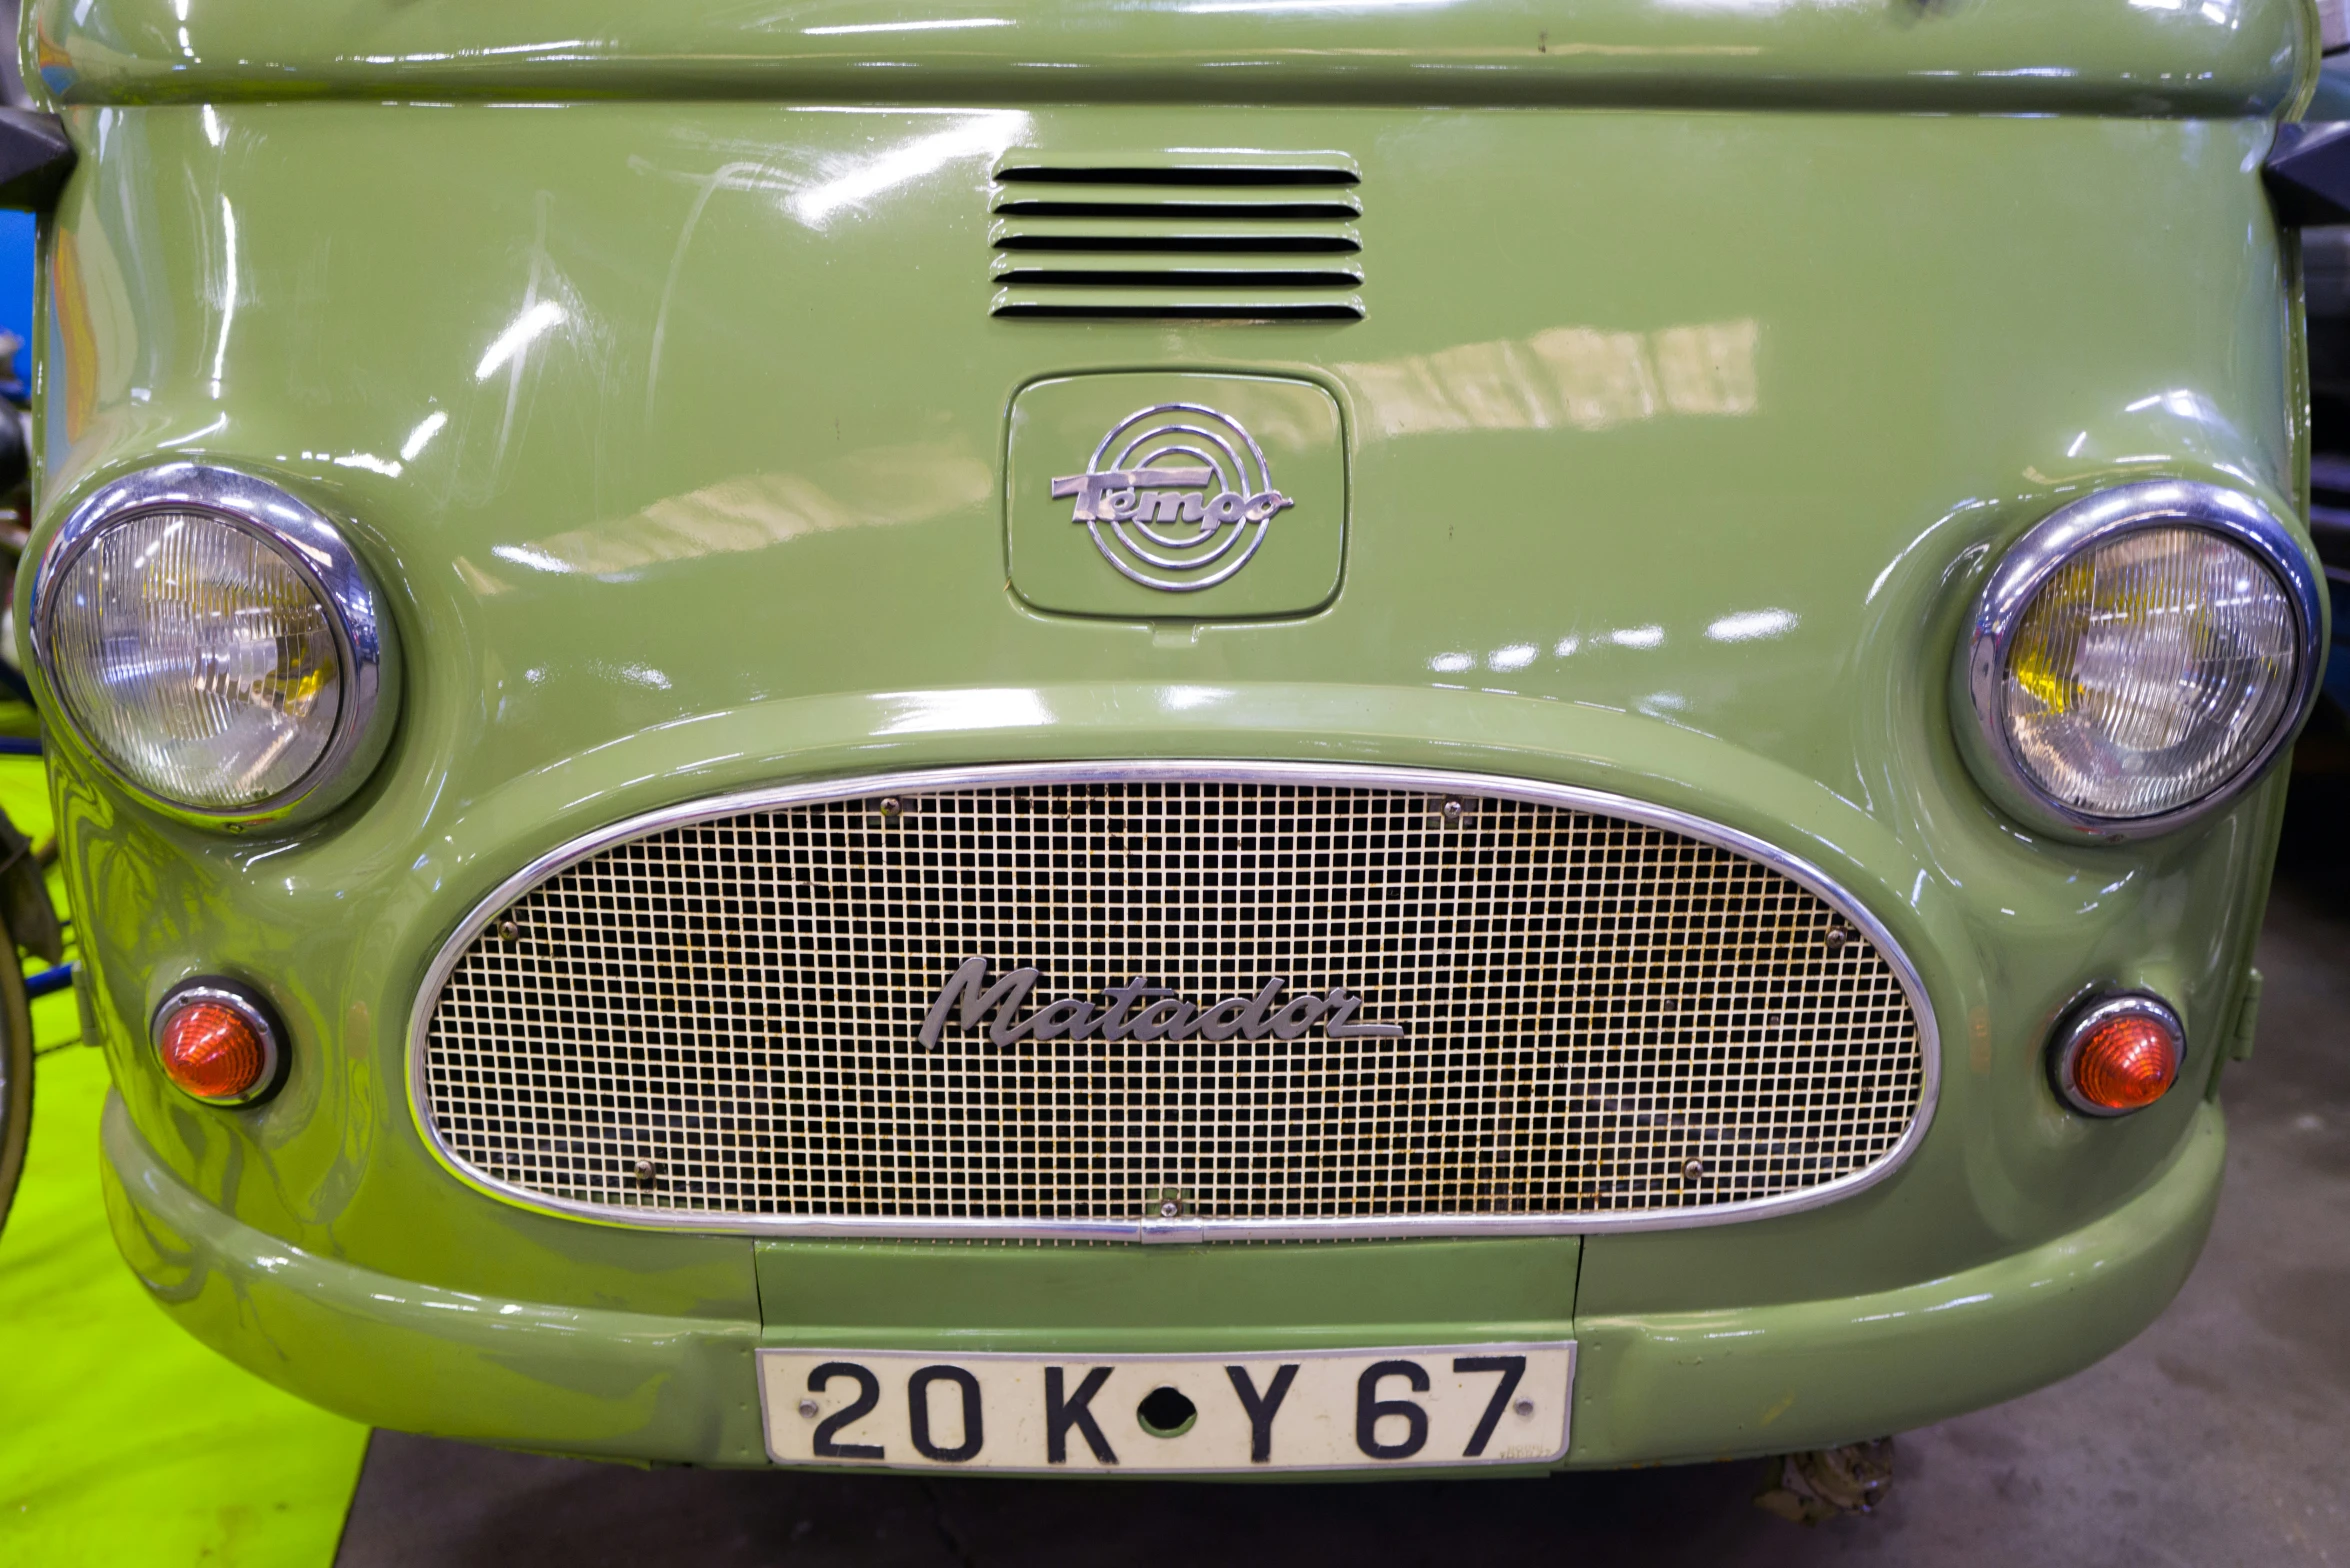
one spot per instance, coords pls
(1825, 1059)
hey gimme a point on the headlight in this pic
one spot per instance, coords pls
(217, 644)
(2137, 658)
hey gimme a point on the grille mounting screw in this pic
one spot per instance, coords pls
(1454, 809)
(892, 808)
(509, 933)
(645, 1171)
(1169, 1209)
(1837, 937)
(1692, 1170)
(810, 1409)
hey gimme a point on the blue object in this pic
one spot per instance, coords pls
(20, 746)
(2331, 100)
(49, 981)
(17, 255)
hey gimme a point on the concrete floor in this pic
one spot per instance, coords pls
(2220, 1437)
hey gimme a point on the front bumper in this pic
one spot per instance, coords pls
(1651, 1386)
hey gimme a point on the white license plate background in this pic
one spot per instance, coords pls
(1321, 1421)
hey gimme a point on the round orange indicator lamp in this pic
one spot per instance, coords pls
(218, 1042)
(2118, 1054)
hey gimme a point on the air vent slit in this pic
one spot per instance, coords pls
(1184, 241)
(1188, 244)
(1332, 212)
(1179, 277)
(1253, 311)
(1244, 177)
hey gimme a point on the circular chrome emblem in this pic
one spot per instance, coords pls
(1177, 497)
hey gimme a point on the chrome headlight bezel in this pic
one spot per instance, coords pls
(366, 645)
(2069, 531)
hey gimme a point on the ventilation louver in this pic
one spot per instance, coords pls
(1224, 241)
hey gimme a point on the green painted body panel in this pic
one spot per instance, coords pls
(677, 428)
(2089, 56)
(457, 1363)
(1654, 1386)
(1143, 1299)
(1700, 1383)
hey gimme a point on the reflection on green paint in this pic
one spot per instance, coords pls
(122, 1440)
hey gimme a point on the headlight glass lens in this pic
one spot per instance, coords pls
(196, 657)
(2148, 671)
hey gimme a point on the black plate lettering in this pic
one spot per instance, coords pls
(868, 1395)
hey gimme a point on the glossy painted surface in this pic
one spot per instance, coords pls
(676, 432)
(2211, 57)
(1697, 1384)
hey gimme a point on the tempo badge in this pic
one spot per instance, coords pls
(1182, 503)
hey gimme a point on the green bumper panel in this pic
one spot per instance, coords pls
(396, 1353)
(1668, 1386)
(1653, 1387)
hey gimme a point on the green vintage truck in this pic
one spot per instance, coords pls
(1167, 735)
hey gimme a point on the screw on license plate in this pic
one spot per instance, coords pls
(810, 1409)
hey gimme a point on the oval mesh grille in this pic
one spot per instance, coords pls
(1523, 1010)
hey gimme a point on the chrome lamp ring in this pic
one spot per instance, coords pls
(2069, 531)
(2084, 1021)
(315, 546)
(247, 1004)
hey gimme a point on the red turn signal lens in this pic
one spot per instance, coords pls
(216, 1044)
(2119, 1055)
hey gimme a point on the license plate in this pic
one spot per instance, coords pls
(1293, 1410)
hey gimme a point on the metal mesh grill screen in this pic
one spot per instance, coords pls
(1596, 1016)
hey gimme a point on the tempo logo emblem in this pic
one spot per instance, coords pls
(1184, 502)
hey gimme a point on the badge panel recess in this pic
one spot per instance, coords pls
(1171, 496)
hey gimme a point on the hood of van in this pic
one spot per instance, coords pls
(2150, 57)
